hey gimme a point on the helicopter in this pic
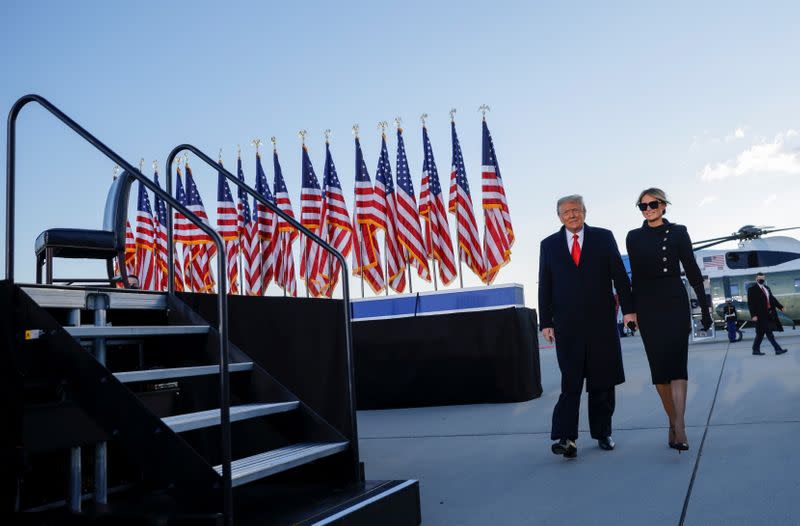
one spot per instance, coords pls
(730, 272)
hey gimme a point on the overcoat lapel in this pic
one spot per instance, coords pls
(565, 256)
(588, 248)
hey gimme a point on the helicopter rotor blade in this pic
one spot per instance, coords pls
(781, 229)
(707, 245)
(719, 239)
(744, 233)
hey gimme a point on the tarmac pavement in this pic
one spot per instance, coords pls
(491, 463)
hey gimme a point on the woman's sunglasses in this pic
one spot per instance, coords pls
(652, 204)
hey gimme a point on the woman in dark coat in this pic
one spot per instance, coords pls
(656, 251)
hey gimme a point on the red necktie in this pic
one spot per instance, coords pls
(766, 294)
(576, 250)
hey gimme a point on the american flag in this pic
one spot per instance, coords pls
(267, 233)
(311, 218)
(181, 234)
(367, 255)
(162, 242)
(145, 241)
(467, 229)
(409, 230)
(284, 260)
(202, 249)
(438, 244)
(130, 250)
(227, 227)
(498, 234)
(717, 262)
(130, 256)
(336, 227)
(249, 241)
(387, 220)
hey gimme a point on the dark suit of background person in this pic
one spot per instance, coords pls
(578, 302)
(767, 316)
(730, 321)
(662, 307)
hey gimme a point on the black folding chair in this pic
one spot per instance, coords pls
(75, 243)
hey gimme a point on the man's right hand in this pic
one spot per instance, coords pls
(755, 318)
(548, 334)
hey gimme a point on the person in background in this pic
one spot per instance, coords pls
(657, 250)
(763, 307)
(729, 311)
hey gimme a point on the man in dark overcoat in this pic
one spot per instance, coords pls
(578, 267)
(763, 305)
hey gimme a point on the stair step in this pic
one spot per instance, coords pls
(178, 372)
(128, 331)
(256, 467)
(74, 298)
(200, 419)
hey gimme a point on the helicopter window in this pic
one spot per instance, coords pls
(758, 258)
(734, 289)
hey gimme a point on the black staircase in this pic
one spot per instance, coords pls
(129, 407)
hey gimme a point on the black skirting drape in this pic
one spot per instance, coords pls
(461, 358)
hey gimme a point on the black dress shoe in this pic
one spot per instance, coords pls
(780, 351)
(565, 447)
(606, 444)
(758, 353)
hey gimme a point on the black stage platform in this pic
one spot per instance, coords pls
(447, 359)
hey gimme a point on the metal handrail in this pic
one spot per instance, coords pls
(327, 247)
(222, 303)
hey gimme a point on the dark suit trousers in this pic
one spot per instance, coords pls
(760, 332)
(565, 414)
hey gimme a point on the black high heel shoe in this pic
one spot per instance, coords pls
(670, 443)
(679, 446)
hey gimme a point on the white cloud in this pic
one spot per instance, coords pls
(706, 138)
(779, 157)
(707, 200)
(770, 199)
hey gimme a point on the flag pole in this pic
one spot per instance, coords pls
(435, 282)
(399, 122)
(355, 225)
(322, 227)
(460, 270)
(155, 240)
(274, 142)
(382, 126)
(263, 288)
(483, 108)
(240, 255)
(302, 134)
(324, 235)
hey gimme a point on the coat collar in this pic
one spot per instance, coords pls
(646, 227)
(588, 239)
(563, 230)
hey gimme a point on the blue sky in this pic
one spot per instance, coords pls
(701, 100)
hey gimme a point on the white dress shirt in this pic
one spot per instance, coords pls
(569, 239)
